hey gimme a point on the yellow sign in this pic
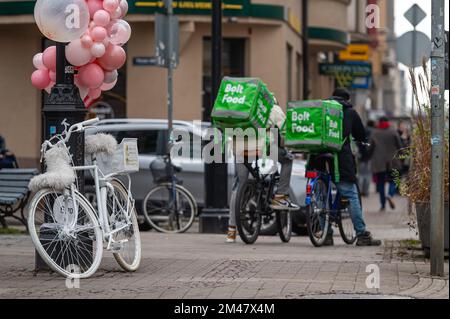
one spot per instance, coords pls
(355, 52)
(293, 21)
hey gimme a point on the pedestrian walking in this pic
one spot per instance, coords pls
(386, 143)
(364, 165)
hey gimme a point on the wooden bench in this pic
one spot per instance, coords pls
(14, 193)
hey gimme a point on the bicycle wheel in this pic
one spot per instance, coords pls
(317, 220)
(248, 219)
(345, 224)
(71, 246)
(284, 225)
(126, 239)
(170, 210)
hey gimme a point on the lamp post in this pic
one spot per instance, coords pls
(64, 103)
(214, 217)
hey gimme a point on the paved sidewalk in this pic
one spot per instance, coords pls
(203, 266)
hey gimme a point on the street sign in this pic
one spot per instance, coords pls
(146, 61)
(355, 52)
(162, 38)
(355, 75)
(406, 53)
(415, 15)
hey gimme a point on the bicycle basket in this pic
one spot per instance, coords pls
(160, 170)
(124, 160)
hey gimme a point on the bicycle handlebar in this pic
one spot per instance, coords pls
(74, 128)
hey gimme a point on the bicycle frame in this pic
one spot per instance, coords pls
(102, 184)
(260, 181)
(333, 203)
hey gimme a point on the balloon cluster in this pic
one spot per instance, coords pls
(95, 50)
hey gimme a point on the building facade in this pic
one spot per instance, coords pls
(262, 38)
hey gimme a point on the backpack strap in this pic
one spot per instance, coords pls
(337, 176)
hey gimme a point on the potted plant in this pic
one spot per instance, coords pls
(417, 184)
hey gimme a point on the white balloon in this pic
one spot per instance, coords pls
(110, 77)
(38, 63)
(98, 49)
(119, 32)
(62, 20)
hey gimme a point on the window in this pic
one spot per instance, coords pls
(289, 72)
(299, 76)
(233, 64)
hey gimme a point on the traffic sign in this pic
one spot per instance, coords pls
(415, 15)
(410, 56)
(162, 38)
(147, 61)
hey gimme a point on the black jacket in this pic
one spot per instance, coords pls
(353, 128)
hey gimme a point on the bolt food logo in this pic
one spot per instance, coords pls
(231, 90)
(297, 123)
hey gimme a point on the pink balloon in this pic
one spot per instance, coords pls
(110, 5)
(98, 50)
(111, 76)
(108, 86)
(94, 6)
(37, 62)
(84, 91)
(98, 34)
(77, 54)
(91, 76)
(52, 75)
(40, 79)
(87, 41)
(114, 58)
(124, 7)
(116, 14)
(102, 18)
(49, 58)
(95, 93)
(48, 89)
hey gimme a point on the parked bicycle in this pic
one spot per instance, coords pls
(168, 207)
(253, 203)
(68, 233)
(325, 206)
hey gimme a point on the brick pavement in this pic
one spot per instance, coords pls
(203, 266)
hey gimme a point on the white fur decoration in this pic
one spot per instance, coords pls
(59, 174)
(100, 143)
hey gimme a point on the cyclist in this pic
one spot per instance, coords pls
(281, 199)
(352, 127)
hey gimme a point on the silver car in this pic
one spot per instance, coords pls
(152, 136)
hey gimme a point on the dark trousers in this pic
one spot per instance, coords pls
(382, 179)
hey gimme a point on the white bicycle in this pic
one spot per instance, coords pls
(68, 233)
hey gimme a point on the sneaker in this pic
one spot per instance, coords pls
(283, 203)
(329, 241)
(391, 202)
(366, 239)
(231, 235)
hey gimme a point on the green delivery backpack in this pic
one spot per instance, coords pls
(242, 103)
(315, 126)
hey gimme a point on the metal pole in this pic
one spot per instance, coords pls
(214, 216)
(169, 12)
(437, 137)
(305, 44)
(64, 102)
(413, 58)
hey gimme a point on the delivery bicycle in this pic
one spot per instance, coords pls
(253, 203)
(325, 206)
(68, 233)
